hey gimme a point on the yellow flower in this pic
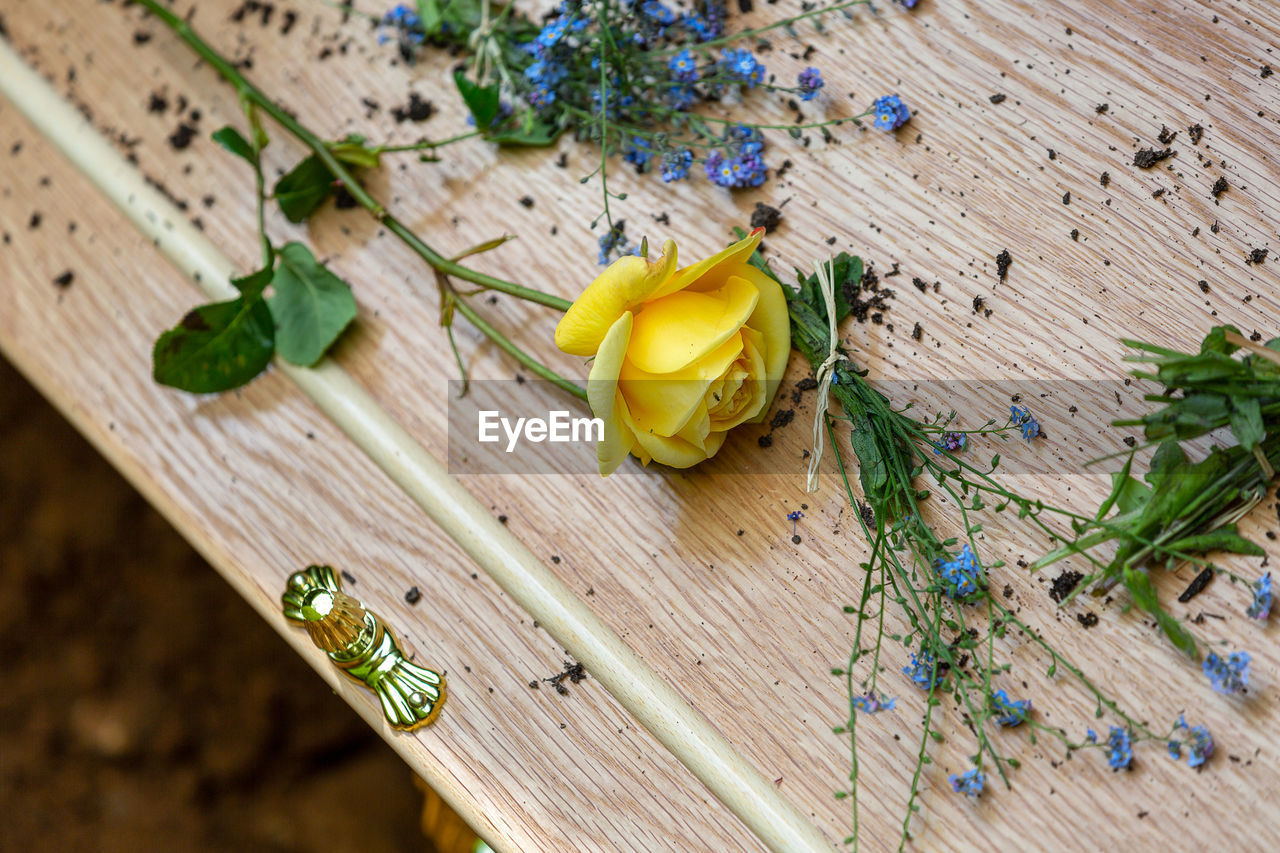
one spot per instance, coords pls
(681, 356)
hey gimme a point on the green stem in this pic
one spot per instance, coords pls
(518, 354)
(249, 92)
(260, 186)
(427, 144)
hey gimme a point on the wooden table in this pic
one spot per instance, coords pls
(696, 573)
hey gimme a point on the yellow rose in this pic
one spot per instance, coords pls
(681, 356)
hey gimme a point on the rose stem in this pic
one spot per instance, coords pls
(249, 92)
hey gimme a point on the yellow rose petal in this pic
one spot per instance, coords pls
(677, 330)
(605, 401)
(698, 429)
(663, 404)
(704, 275)
(751, 400)
(618, 440)
(624, 286)
(771, 320)
(676, 452)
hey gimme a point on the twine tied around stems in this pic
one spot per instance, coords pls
(827, 371)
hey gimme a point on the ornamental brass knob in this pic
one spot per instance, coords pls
(363, 647)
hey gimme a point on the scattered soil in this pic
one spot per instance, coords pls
(868, 300)
(1064, 584)
(766, 217)
(182, 136)
(416, 110)
(573, 672)
(1145, 158)
(1004, 260)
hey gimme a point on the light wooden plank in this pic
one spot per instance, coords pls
(747, 626)
(275, 486)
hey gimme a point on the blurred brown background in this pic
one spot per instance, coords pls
(144, 705)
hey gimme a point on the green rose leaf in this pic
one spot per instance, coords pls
(482, 101)
(229, 138)
(303, 189)
(218, 346)
(311, 306)
(306, 186)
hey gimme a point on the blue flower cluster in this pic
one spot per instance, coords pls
(969, 782)
(709, 24)
(890, 112)
(1022, 419)
(402, 22)
(1120, 755)
(614, 243)
(684, 67)
(952, 442)
(740, 165)
(923, 670)
(1199, 743)
(809, 82)
(871, 704)
(1260, 607)
(1010, 713)
(658, 12)
(741, 66)
(907, 4)
(675, 165)
(961, 575)
(553, 54)
(638, 153)
(1229, 674)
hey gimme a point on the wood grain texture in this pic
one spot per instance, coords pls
(746, 626)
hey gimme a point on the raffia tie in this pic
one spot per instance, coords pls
(827, 371)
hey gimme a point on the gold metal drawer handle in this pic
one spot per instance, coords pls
(363, 647)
